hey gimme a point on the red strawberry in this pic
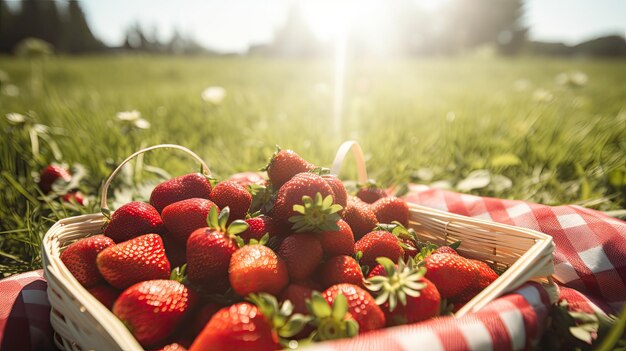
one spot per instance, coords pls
(405, 295)
(361, 306)
(134, 219)
(339, 190)
(52, 174)
(341, 269)
(445, 249)
(451, 274)
(233, 195)
(80, 259)
(180, 188)
(256, 268)
(370, 193)
(302, 254)
(75, 196)
(105, 294)
(317, 214)
(153, 309)
(377, 270)
(285, 164)
(378, 244)
(209, 251)
(389, 209)
(337, 242)
(138, 259)
(486, 275)
(360, 217)
(241, 326)
(297, 294)
(183, 217)
(257, 227)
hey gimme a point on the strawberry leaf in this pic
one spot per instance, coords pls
(222, 218)
(455, 245)
(212, 221)
(340, 307)
(318, 306)
(237, 226)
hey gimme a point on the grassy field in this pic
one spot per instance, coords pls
(427, 120)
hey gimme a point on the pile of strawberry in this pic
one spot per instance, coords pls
(214, 267)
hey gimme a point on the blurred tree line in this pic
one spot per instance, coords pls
(403, 28)
(65, 28)
(63, 24)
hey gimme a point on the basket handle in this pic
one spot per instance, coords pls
(105, 188)
(342, 152)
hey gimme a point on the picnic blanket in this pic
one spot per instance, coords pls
(590, 269)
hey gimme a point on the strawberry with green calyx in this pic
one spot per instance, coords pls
(360, 217)
(316, 215)
(193, 185)
(240, 326)
(210, 249)
(391, 208)
(293, 191)
(284, 165)
(302, 254)
(286, 323)
(407, 237)
(258, 227)
(403, 292)
(153, 309)
(370, 192)
(361, 305)
(376, 244)
(332, 321)
(256, 268)
(233, 195)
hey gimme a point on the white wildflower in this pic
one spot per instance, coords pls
(578, 79)
(129, 115)
(561, 79)
(142, 124)
(214, 95)
(15, 118)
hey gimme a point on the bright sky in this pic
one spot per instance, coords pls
(231, 26)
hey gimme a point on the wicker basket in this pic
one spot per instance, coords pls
(524, 253)
(82, 323)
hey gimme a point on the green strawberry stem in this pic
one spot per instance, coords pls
(316, 215)
(218, 219)
(331, 322)
(281, 317)
(397, 284)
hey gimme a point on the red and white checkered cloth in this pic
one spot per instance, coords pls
(590, 264)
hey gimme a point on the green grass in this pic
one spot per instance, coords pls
(421, 120)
